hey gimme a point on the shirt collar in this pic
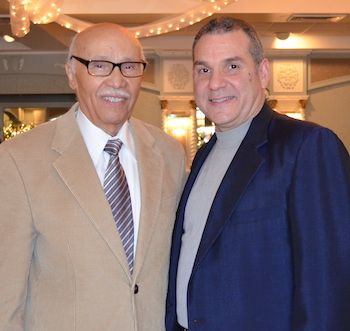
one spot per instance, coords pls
(96, 139)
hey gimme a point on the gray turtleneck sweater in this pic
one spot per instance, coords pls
(198, 207)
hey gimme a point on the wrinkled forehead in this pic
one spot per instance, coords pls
(108, 42)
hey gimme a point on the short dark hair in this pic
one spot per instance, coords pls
(227, 24)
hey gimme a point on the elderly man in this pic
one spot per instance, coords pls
(88, 203)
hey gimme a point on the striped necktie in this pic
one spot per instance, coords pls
(117, 193)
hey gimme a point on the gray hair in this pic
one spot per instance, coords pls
(229, 24)
(72, 47)
(70, 53)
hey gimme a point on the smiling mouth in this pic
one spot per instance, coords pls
(220, 100)
(113, 99)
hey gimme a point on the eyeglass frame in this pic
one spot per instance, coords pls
(119, 65)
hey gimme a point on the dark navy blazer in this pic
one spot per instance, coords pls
(275, 252)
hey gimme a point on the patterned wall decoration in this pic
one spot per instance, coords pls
(177, 76)
(288, 76)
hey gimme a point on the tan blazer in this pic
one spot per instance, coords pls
(62, 264)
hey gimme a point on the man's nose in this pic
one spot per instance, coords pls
(116, 78)
(216, 80)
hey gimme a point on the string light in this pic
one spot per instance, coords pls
(22, 12)
(8, 38)
(158, 27)
(37, 11)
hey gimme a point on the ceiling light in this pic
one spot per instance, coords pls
(282, 35)
(316, 18)
(8, 38)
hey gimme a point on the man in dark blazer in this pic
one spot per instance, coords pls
(262, 236)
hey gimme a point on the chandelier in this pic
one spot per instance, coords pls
(22, 12)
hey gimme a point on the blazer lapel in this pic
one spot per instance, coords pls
(151, 172)
(197, 163)
(239, 173)
(76, 169)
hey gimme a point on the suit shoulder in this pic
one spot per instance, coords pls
(283, 126)
(291, 134)
(41, 137)
(163, 140)
(34, 139)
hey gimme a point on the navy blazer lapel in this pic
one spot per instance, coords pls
(197, 163)
(195, 168)
(239, 173)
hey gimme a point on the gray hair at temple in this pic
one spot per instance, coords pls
(229, 24)
(72, 47)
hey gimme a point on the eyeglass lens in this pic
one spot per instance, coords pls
(105, 68)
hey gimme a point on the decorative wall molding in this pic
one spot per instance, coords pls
(177, 76)
(288, 75)
(291, 105)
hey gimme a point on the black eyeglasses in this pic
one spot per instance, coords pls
(105, 68)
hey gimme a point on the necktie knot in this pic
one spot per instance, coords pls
(113, 146)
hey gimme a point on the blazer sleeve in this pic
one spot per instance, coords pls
(319, 215)
(17, 237)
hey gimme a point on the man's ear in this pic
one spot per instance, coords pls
(264, 73)
(71, 76)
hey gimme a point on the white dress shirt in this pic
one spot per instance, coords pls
(95, 140)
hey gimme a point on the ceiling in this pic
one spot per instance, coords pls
(267, 16)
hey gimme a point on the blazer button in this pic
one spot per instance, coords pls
(136, 289)
(198, 322)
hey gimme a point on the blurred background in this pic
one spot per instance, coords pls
(307, 42)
